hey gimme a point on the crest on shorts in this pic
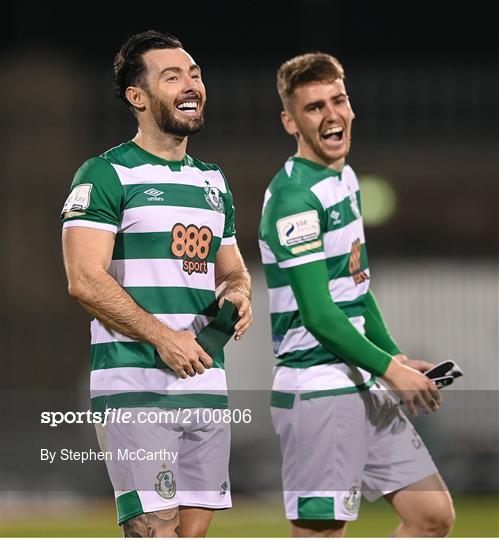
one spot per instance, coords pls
(351, 501)
(165, 486)
(213, 197)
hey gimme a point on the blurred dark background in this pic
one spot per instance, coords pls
(423, 79)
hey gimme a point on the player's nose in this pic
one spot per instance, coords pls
(330, 112)
(191, 84)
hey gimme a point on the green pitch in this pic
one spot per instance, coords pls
(477, 516)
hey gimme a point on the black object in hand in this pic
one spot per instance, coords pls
(217, 333)
(444, 373)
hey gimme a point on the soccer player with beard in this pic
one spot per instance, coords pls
(341, 433)
(148, 236)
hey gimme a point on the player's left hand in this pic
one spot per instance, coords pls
(243, 304)
(418, 365)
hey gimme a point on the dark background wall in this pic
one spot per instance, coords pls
(422, 77)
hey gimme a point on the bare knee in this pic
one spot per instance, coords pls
(159, 524)
(330, 528)
(436, 523)
(440, 523)
(192, 530)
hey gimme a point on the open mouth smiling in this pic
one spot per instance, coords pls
(333, 134)
(188, 107)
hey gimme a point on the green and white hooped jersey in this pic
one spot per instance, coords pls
(312, 213)
(170, 218)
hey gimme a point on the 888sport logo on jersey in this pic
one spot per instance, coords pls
(192, 244)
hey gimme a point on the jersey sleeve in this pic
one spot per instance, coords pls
(96, 197)
(293, 227)
(229, 234)
(376, 328)
(329, 324)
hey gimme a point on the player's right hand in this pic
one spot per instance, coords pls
(180, 351)
(414, 388)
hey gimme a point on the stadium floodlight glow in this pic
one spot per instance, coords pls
(379, 200)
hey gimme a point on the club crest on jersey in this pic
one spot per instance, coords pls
(165, 486)
(213, 197)
(192, 244)
(354, 265)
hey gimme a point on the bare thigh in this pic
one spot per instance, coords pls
(194, 521)
(162, 523)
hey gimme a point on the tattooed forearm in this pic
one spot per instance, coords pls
(163, 523)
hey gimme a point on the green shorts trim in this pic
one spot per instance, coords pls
(128, 506)
(339, 391)
(315, 508)
(285, 400)
(282, 400)
(165, 401)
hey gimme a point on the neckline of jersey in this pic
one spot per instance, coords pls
(317, 166)
(159, 160)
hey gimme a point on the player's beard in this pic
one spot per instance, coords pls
(167, 123)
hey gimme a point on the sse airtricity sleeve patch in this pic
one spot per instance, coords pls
(293, 227)
(96, 197)
(299, 228)
(78, 200)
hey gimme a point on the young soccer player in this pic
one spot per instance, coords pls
(341, 433)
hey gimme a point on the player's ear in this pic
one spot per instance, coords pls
(351, 108)
(288, 123)
(136, 97)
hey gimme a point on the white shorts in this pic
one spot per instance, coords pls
(336, 448)
(155, 465)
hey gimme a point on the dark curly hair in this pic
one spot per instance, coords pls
(129, 67)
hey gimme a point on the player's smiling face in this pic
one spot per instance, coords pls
(175, 91)
(320, 115)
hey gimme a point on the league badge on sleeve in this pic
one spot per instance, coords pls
(78, 200)
(298, 228)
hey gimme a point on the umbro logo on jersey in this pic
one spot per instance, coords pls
(154, 194)
(336, 217)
